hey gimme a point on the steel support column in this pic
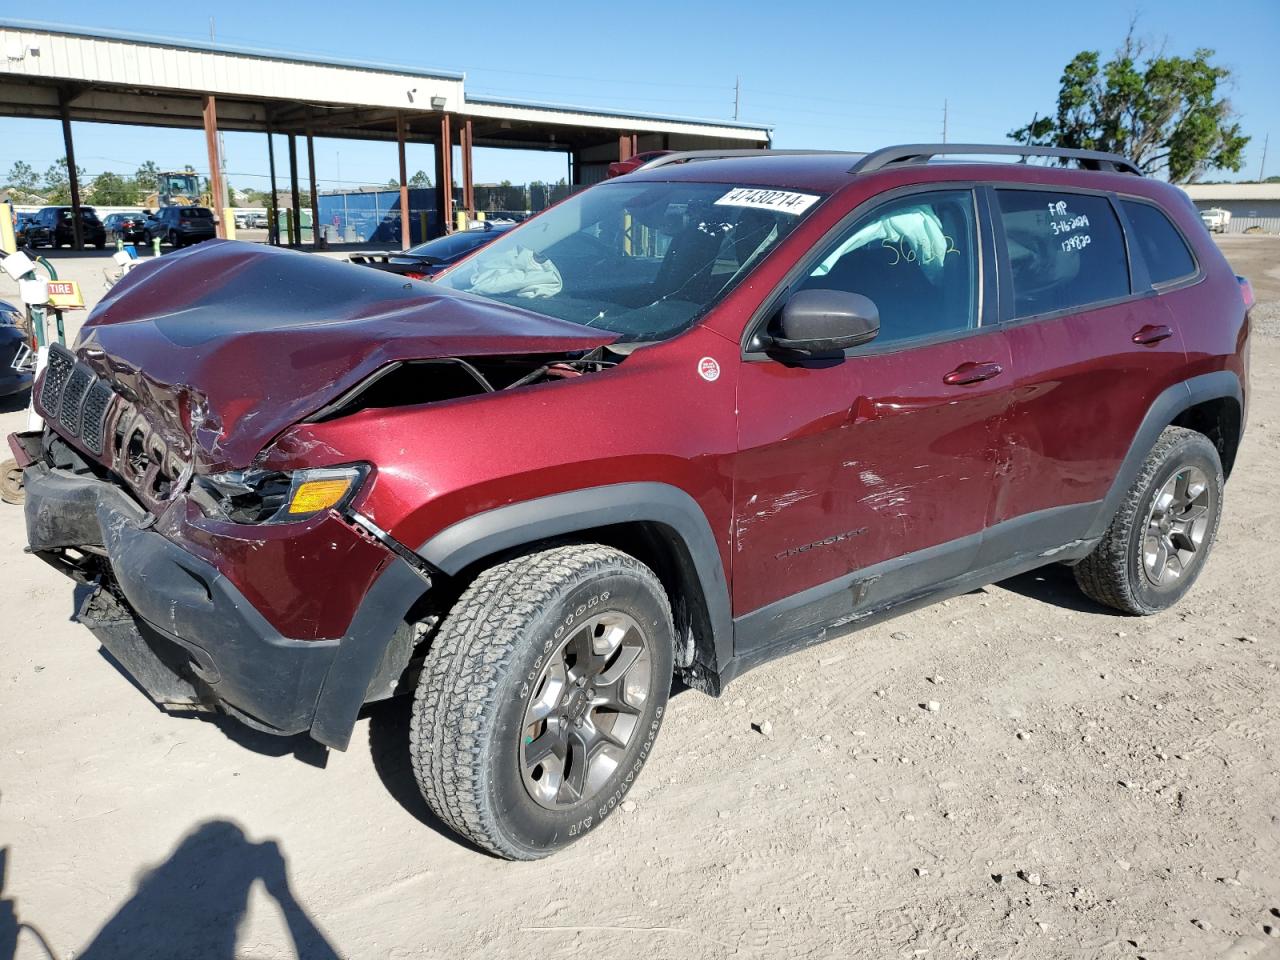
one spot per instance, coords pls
(77, 225)
(315, 192)
(217, 195)
(406, 237)
(295, 204)
(444, 173)
(468, 179)
(273, 213)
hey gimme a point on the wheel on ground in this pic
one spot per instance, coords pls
(11, 489)
(1161, 536)
(541, 696)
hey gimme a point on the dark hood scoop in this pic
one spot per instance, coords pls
(230, 343)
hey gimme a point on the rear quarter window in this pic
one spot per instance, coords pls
(1065, 250)
(1165, 252)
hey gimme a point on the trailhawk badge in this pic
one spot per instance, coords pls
(708, 369)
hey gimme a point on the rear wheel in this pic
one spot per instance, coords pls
(541, 697)
(1161, 536)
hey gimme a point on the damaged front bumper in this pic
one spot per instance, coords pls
(181, 629)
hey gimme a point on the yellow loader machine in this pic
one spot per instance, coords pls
(178, 189)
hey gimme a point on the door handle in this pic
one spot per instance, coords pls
(971, 372)
(1152, 334)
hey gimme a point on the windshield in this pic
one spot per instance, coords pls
(643, 260)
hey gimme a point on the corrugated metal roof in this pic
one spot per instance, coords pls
(106, 59)
(1233, 191)
(38, 26)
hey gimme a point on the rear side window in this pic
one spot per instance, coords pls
(1162, 246)
(195, 213)
(1065, 250)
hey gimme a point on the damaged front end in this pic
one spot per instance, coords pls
(222, 565)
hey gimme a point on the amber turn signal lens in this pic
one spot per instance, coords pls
(312, 496)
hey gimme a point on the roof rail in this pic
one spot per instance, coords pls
(923, 152)
(686, 156)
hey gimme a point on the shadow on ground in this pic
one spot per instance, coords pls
(13, 929)
(389, 723)
(1055, 584)
(192, 904)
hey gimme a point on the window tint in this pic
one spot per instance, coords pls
(1162, 246)
(1065, 250)
(916, 258)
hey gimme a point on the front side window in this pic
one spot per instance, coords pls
(643, 259)
(916, 258)
(1064, 250)
(1162, 246)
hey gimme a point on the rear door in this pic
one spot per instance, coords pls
(1091, 348)
(884, 456)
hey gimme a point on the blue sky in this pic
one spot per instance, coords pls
(842, 75)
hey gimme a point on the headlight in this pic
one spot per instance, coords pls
(270, 496)
(9, 316)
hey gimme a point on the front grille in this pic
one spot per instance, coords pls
(56, 371)
(75, 398)
(80, 404)
(72, 394)
(94, 414)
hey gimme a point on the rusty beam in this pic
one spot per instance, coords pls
(217, 196)
(444, 173)
(273, 212)
(468, 179)
(406, 240)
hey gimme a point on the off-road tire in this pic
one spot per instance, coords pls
(475, 685)
(1113, 574)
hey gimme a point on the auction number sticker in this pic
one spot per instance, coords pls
(783, 201)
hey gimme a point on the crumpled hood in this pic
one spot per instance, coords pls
(227, 344)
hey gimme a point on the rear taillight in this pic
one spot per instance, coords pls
(1246, 291)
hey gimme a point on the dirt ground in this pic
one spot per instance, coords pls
(1091, 786)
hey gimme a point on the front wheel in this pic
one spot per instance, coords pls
(1161, 536)
(541, 696)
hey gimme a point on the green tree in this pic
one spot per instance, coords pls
(1164, 113)
(57, 181)
(148, 177)
(111, 189)
(420, 179)
(22, 176)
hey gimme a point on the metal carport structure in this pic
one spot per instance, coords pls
(71, 74)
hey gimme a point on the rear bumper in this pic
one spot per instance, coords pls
(199, 638)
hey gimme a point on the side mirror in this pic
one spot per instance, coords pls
(824, 321)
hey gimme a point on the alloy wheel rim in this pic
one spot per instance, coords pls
(585, 710)
(1176, 527)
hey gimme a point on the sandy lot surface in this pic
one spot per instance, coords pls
(1091, 786)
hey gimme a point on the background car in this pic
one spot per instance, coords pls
(131, 227)
(28, 232)
(179, 226)
(13, 334)
(621, 167)
(56, 228)
(426, 260)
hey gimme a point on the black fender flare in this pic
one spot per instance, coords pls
(458, 546)
(1219, 385)
(562, 514)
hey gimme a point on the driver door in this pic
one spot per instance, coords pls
(862, 480)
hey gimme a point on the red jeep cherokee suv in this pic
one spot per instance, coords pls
(682, 423)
